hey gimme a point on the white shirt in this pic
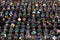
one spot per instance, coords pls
(54, 38)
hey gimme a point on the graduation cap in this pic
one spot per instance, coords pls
(19, 19)
(8, 8)
(18, 23)
(33, 25)
(16, 30)
(6, 25)
(3, 1)
(12, 25)
(20, 37)
(38, 34)
(22, 30)
(13, 21)
(39, 26)
(26, 3)
(11, 3)
(28, 26)
(36, 4)
(2, 35)
(44, 4)
(40, 9)
(18, 3)
(52, 32)
(24, 19)
(5, 29)
(33, 32)
(33, 15)
(34, 12)
(38, 12)
(1, 13)
(24, 10)
(6, 16)
(10, 14)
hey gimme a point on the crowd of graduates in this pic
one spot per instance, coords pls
(29, 20)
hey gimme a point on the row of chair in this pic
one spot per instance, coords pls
(24, 20)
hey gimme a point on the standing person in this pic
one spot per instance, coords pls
(54, 38)
(34, 36)
(38, 36)
(28, 36)
(53, 35)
